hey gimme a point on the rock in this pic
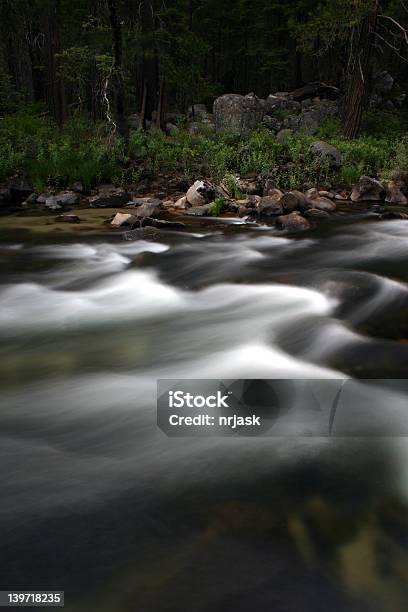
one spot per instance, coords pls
(315, 213)
(248, 186)
(392, 214)
(198, 211)
(137, 202)
(198, 111)
(181, 203)
(284, 134)
(239, 113)
(162, 224)
(67, 198)
(326, 194)
(311, 90)
(122, 219)
(394, 193)
(323, 204)
(270, 206)
(326, 153)
(52, 204)
(135, 121)
(383, 82)
(294, 200)
(109, 197)
(294, 222)
(30, 201)
(150, 209)
(312, 193)
(20, 189)
(79, 187)
(5, 196)
(202, 192)
(143, 233)
(171, 129)
(275, 193)
(367, 189)
(280, 101)
(67, 219)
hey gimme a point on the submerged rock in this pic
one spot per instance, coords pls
(67, 219)
(294, 222)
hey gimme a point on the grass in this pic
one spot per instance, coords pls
(32, 145)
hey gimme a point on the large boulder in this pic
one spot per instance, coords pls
(294, 222)
(368, 189)
(239, 113)
(294, 200)
(201, 193)
(326, 153)
(270, 206)
(109, 197)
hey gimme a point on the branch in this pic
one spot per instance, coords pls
(391, 47)
(395, 22)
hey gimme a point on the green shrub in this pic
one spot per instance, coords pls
(216, 207)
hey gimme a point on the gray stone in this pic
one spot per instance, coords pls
(67, 198)
(201, 192)
(368, 189)
(198, 211)
(109, 197)
(52, 204)
(327, 153)
(239, 113)
(269, 206)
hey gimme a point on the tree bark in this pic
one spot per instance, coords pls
(117, 75)
(150, 78)
(360, 75)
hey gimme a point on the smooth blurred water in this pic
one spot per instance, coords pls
(96, 501)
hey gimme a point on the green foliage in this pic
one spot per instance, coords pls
(216, 207)
(384, 123)
(231, 184)
(32, 145)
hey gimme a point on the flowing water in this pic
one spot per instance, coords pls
(96, 501)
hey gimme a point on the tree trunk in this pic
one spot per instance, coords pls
(150, 80)
(360, 75)
(117, 76)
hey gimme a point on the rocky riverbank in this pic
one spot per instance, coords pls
(169, 203)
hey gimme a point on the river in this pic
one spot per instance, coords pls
(98, 502)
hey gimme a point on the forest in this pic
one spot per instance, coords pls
(115, 91)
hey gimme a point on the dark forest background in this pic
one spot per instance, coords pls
(105, 60)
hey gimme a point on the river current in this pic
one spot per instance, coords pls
(98, 502)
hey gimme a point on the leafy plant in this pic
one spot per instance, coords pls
(216, 207)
